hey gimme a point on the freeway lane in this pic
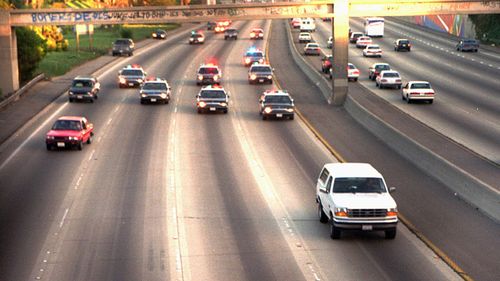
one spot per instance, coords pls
(466, 84)
(420, 197)
(165, 193)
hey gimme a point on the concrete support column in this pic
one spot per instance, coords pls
(340, 36)
(9, 72)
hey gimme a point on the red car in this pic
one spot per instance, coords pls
(69, 132)
(326, 63)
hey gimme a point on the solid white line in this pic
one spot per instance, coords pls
(109, 121)
(91, 155)
(31, 136)
(63, 218)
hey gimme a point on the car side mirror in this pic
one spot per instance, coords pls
(392, 189)
(322, 189)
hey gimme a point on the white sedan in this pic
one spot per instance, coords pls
(418, 90)
(363, 41)
(312, 49)
(388, 78)
(372, 50)
(305, 37)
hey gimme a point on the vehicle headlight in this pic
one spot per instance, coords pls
(191, 39)
(154, 34)
(122, 80)
(70, 92)
(340, 212)
(201, 39)
(247, 60)
(269, 77)
(202, 104)
(253, 76)
(392, 212)
(143, 95)
(163, 95)
(289, 109)
(163, 36)
(50, 137)
(216, 77)
(223, 104)
(139, 80)
(200, 77)
(261, 60)
(268, 110)
(73, 138)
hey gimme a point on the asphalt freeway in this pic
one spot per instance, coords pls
(164, 193)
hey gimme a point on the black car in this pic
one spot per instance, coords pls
(276, 104)
(470, 45)
(159, 34)
(402, 44)
(211, 25)
(230, 33)
(84, 88)
(260, 73)
(212, 99)
(123, 46)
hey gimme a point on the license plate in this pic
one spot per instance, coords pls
(60, 144)
(131, 84)
(153, 100)
(212, 108)
(422, 94)
(366, 227)
(261, 80)
(279, 115)
(79, 97)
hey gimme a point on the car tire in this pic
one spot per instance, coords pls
(79, 146)
(95, 96)
(89, 141)
(264, 117)
(399, 87)
(390, 233)
(70, 100)
(49, 147)
(292, 116)
(323, 218)
(334, 231)
(355, 79)
(225, 38)
(167, 101)
(431, 101)
(408, 100)
(199, 111)
(91, 100)
(142, 101)
(225, 111)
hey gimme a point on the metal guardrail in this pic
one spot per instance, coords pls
(15, 96)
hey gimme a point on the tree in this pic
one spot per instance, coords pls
(30, 51)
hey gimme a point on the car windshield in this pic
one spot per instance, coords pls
(351, 66)
(213, 94)
(254, 54)
(312, 46)
(154, 86)
(278, 99)
(373, 47)
(470, 41)
(230, 30)
(122, 42)
(305, 34)
(383, 67)
(67, 125)
(208, 70)
(260, 69)
(197, 35)
(358, 185)
(391, 74)
(132, 72)
(82, 84)
(404, 41)
(420, 86)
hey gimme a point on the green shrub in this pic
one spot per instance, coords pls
(30, 51)
(126, 33)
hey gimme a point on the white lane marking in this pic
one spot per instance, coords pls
(31, 136)
(63, 218)
(109, 121)
(91, 154)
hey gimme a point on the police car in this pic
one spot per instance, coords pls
(196, 38)
(131, 76)
(208, 74)
(212, 98)
(276, 103)
(253, 55)
(155, 90)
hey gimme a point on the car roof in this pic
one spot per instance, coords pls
(84, 78)
(71, 118)
(379, 63)
(312, 44)
(340, 170)
(388, 71)
(373, 45)
(212, 88)
(411, 82)
(276, 92)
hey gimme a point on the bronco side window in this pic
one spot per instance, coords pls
(324, 175)
(329, 185)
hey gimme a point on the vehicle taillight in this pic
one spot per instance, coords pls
(356, 72)
(398, 80)
(383, 80)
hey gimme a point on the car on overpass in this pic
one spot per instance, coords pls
(84, 88)
(354, 196)
(155, 90)
(69, 132)
(212, 98)
(276, 103)
(402, 44)
(467, 45)
(418, 90)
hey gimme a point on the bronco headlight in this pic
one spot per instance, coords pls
(269, 77)
(223, 104)
(268, 110)
(202, 104)
(341, 212)
(289, 109)
(163, 95)
(392, 212)
(143, 95)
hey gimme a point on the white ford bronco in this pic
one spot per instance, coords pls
(353, 196)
